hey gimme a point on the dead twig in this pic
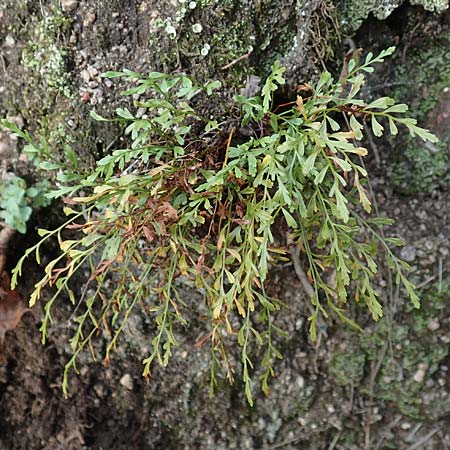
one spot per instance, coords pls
(373, 146)
(335, 440)
(232, 63)
(295, 256)
(426, 438)
(440, 275)
(283, 444)
(385, 433)
(424, 283)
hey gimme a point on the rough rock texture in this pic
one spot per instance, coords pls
(353, 12)
(52, 54)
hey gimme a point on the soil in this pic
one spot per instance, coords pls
(388, 388)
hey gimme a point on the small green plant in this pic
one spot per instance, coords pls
(208, 202)
(17, 200)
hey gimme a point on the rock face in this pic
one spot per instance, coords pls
(53, 60)
(353, 12)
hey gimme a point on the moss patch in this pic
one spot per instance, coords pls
(45, 57)
(415, 349)
(423, 81)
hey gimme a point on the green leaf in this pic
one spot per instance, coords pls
(321, 175)
(47, 165)
(423, 133)
(272, 83)
(344, 165)
(411, 289)
(289, 219)
(32, 192)
(97, 117)
(381, 103)
(369, 57)
(212, 85)
(334, 125)
(187, 89)
(392, 127)
(356, 127)
(124, 113)
(351, 65)
(396, 241)
(376, 127)
(341, 206)
(400, 108)
(309, 163)
(388, 52)
(380, 221)
(112, 74)
(324, 80)
(211, 125)
(248, 393)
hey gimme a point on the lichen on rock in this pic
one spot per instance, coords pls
(354, 12)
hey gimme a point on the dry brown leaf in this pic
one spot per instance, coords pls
(11, 309)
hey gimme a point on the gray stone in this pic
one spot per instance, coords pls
(127, 382)
(408, 253)
(69, 5)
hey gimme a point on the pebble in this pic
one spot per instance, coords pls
(433, 324)
(99, 389)
(376, 418)
(93, 72)
(18, 120)
(127, 382)
(84, 74)
(408, 253)
(419, 376)
(140, 112)
(10, 41)
(5, 151)
(89, 19)
(69, 5)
